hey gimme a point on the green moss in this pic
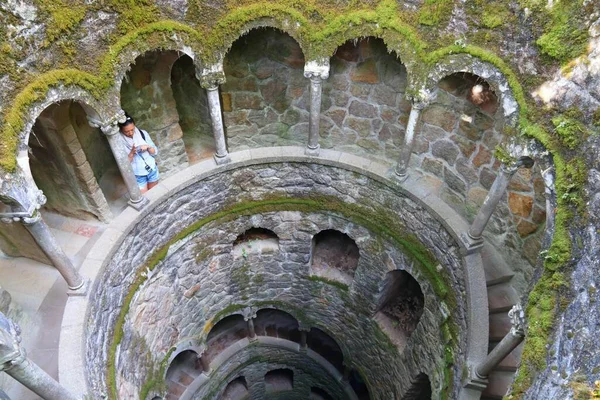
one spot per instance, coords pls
(61, 16)
(330, 282)
(570, 131)
(435, 12)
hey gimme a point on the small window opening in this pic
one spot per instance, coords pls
(420, 389)
(400, 306)
(255, 241)
(335, 256)
(279, 380)
(184, 368)
(358, 385)
(237, 389)
(319, 394)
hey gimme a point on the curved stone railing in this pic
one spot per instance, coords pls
(71, 350)
(267, 341)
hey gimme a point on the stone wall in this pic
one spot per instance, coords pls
(199, 278)
(455, 144)
(147, 96)
(266, 97)
(192, 106)
(364, 110)
(265, 358)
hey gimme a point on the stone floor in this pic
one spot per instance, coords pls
(39, 294)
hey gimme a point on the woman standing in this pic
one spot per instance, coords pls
(142, 151)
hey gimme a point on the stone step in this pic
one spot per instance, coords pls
(500, 381)
(501, 297)
(495, 268)
(511, 361)
(499, 326)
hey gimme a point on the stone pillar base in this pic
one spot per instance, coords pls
(475, 381)
(80, 291)
(220, 160)
(139, 204)
(401, 176)
(313, 152)
(472, 245)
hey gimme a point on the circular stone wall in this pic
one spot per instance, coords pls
(174, 276)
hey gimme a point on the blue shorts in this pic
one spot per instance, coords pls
(143, 180)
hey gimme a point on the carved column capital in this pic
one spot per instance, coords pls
(11, 352)
(517, 319)
(32, 219)
(249, 313)
(211, 77)
(316, 70)
(109, 127)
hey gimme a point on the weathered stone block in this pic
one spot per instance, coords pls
(482, 157)
(526, 228)
(466, 146)
(439, 116)
(384, 95)
(433, 166)
(487, 178)
(272, 90)
(361, 126)
(363, 110)
(247, 101)
(519, 204)
(337, 116)
(477, 196)
(365, 72)
(464, 168)
(446, 150)
(454, 181)
(226, 101)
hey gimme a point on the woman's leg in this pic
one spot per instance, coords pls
(152, 184)
(142, 182)
(153, 178)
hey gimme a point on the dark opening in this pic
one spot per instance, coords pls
(276, 323)
(420, 389)
(319, 394)
(255, 241)
(324, 345)
(184, 368)
(402, 301)
(472, 88)
(237, 389)
(225, 333)
(358, 385)
(335, 255)
(279, 380)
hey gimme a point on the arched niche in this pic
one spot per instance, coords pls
(276, 323)
(420, 389)
(237, 389)
(399, 306)
(324, 345)
(225, 333)
(73, 165)
(364, 109)
(255, 241)
(358, 385)
(147, 95)
(455, 146)
(192, 106)
(182, 371)
(279, 380)
(334, 256)
(265, 98)
(319, 394)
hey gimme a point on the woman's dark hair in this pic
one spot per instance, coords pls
(128, 120)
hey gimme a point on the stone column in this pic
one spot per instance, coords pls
(303, 343)
(251, 331)
(409, 139)
(316, 72)
(210, 78)
(506, 345)
(136, 200)
(249, 314)
(495, 194)
(15, 363)
(205, 364)
(44, 238)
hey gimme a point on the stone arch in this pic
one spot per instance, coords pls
(191, 101)
(223, 334)
(69, 159)
(359, 385)
(255, 241)
(286, 25)
(334, 255)
(325, 345)
(319, 394)
(237, 389)
(365, 108)
(265, 98)
(147, 95)
(182, 370)
(400, 305)
(420, 389)
(279, 380)
(276, 323)
(456, 63)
